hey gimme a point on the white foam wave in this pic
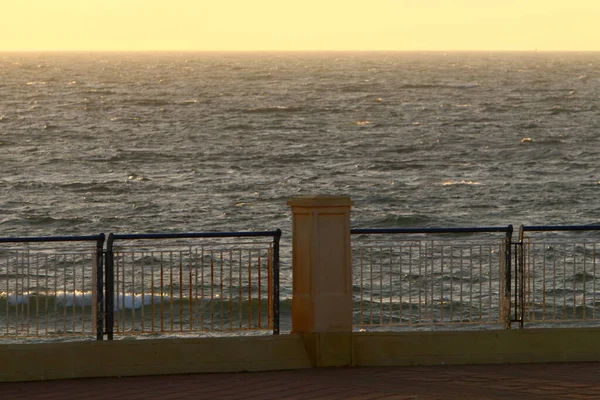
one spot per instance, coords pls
(83, 299)
(134, 301)
(461, 182)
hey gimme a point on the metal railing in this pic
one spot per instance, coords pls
(184, 283)
(141, 284)
(192, 282)
(559, 275)
(51, 286)
(432, 276)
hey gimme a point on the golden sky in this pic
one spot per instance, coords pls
(128, 25)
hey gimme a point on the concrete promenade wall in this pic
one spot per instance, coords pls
(476, 347)
(322, 333)
(29, 362)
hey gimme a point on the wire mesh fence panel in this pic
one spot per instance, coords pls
(48, 289)
(561, 279)
(404, 282)
(217, 286)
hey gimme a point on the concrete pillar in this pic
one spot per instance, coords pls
(322, 277)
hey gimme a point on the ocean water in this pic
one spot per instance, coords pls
(194, 142)
(181, 142)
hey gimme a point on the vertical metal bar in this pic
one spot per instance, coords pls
(46, 297)
(55, 296)
(123, 313)
(460, 297)
(221, 301)
(432, 271)
(73, 296)
(16, 292)
(64, 290)
(490, 297)
(554, 287)
(259, 290)
(401, 283)
(181, 301)
(28, 292)
(171, 306)
(521, 280)
(37, 298)
(152, 284)
(212, 286)
(133, 292)
(381, 285)
(249, 289)
(371, 285)
(118, 294)
(83, 293)
(422, 293)
(441, 282)
(360, 310)
(583, 304)
(162, 292)
(230, 289)
(451, 265)
(8, 294)
(240, 293)
(276, 240)
(190, 290)
(410, 262)
(202, 290)
(143, 256)
(507, 275)
(422, 255)
(8, 265)
(391, 286)
(574, 281)
(196, 281)
(18, 298)
(515, 303)
(269, 286)
(195, 298)
(564, 281)
(594, 284)
(110, 288)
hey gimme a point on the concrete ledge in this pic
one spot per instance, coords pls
(26, 362)
(476, 347)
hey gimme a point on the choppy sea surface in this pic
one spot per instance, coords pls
(188, 142)
(206, 141)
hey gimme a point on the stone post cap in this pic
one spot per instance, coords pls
(320, 200)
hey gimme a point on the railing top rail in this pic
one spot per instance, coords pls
(490, 229)
(540, 228)
(190, 235)
(556, 228)
(39, 239)
(185, 235)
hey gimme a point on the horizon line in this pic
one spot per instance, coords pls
(299, 51)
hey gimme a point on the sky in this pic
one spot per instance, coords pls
(292, 25)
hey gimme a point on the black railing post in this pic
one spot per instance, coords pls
(110, 287)
(507, 276)
(520, 278)
(100, 287)
(276, 240)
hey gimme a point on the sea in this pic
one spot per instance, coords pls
(209, 141)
